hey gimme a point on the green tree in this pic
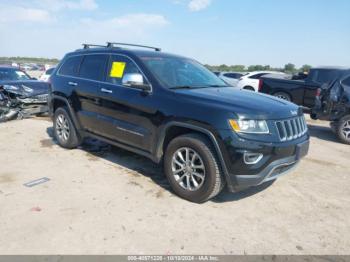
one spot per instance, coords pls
(290, 68)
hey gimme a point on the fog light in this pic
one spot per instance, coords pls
(252, 158)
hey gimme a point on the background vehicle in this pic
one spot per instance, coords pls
(21, 93)
(230, 77)
(172, 108)
(45, 77)
(333, 104)
(300, 92)
(250, 81)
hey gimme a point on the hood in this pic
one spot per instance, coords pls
(247, 104)
(26, 88)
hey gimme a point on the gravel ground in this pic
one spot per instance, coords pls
(104, 200)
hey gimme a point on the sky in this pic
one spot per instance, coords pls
(246, 32)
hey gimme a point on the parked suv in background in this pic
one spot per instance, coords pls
(250, 81)
(171, 108)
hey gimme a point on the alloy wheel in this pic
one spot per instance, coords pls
(188, 169)
(62, 127)
(346, 130)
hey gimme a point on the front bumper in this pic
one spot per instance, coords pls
(278, 159)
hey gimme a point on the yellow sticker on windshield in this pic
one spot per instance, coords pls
(117, 69)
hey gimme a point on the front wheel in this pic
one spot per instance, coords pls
(343, 129)
(192, 168)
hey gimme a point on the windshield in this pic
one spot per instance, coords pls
(11, 74)
(175, 72)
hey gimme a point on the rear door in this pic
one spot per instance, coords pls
(87, 86)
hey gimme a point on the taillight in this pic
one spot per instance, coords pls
(260, 84)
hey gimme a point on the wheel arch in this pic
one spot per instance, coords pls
(174, 129)
(58, 101)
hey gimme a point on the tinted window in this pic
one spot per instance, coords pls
(325, 76)
(71, 66)
(12, 74)
(93, 67)
(233, 75)
(346, 81)
(257, 76)
(118, 67)
(49, 71)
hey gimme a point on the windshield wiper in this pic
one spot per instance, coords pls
(182, 87)
(217, 85)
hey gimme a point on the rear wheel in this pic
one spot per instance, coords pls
(192, 168)
(64, 130)
(343, 129)
(283, 96)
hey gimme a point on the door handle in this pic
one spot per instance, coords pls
(72, 83)
(104, 90)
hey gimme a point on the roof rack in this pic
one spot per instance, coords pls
(111, 44)
(87, 46)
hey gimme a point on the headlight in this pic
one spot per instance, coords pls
(27, 89)
(10, 87)
(249, 126)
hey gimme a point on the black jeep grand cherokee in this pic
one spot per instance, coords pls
(171, 108)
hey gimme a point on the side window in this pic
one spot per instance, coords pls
(71, 66)
(93, 67)
(233, 75)
(118, 67)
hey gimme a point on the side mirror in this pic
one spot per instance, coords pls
(135, 80)
(34, 78)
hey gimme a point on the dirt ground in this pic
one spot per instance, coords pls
(104, 200)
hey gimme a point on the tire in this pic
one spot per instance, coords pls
(343, 129)
(183, 182)
(64, 129)
(249, 88)
(283, 96)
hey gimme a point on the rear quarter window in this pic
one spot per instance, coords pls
(70, 66)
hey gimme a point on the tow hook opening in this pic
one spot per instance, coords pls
(252, 158)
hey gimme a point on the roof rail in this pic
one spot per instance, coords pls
(111, 44)
(87, 46)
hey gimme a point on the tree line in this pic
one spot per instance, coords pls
(288, 68)
(19, 59)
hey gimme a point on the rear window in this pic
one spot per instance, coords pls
(257, 76)
(93, 67)
(71, 66)
(233, 75)
(346, 81)
(325, 76)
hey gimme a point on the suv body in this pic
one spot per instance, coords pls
(171, 108)
(333, 104)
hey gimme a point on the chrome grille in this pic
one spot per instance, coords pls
(291, 128)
